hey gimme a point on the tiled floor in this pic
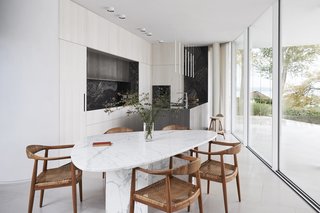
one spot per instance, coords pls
(262, 191)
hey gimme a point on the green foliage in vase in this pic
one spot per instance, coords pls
(142, 105)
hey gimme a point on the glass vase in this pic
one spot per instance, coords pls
(148, 131)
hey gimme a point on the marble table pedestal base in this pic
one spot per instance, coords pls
(118, 185)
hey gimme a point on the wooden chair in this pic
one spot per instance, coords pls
(116, 130)
(171, 193)
(66, 175)
(219, 171)
(175, 127)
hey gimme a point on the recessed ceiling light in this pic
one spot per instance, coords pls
(161, 41)
(142, 29)
(122, 16)
(149, 34)
(110, 9)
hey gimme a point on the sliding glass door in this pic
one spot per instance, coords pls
(260, 86)
(279, 93)
(300, 97)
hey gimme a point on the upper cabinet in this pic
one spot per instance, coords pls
(73, 23)
(103, 66)
(81, 26)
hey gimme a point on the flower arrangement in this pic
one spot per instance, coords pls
(141, 105)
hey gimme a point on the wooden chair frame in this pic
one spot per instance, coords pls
(31, 151)
(175, 127)
(118, 130)
(234, 150)
(190, 168)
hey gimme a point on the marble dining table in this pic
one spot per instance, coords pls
(130, 150)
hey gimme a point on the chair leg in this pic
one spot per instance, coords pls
(190, 181)
(32, 186)
(41, 197)
(74, 198)
(132, 206)
(31, 199)
(208, 186)
(80, 189)
(238, 187)
(74, 189)
(200, 203)
(132, 190)
(103, 175)
(224, 188)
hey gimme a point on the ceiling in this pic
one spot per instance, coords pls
(189, 21)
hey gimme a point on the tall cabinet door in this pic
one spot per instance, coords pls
(73, 63)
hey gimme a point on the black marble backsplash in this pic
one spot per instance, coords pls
(108, 78)
(100, 92)
(197, 86)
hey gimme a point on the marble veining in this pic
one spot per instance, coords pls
(130, 150)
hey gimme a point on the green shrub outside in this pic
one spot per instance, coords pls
(261, 109)
(263, 100)
(311, 115)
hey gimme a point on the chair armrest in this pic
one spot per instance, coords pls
(36, 157)
(224, 143)
(155, 172)
(185, 157)
(60, 146)
(31, 151)
(207, 153)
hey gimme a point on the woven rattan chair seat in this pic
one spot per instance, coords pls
(156, 192)
(211, 170)
(56, 176)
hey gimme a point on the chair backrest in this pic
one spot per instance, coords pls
(32, 149)
(175, 127)
(118, 130)
(189, 168)
(233, 150)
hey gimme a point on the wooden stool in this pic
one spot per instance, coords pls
(216, 125)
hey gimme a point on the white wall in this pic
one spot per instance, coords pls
(29, 82)
(199, 117)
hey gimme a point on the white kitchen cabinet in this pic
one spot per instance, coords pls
(73, 25)
(73, 59)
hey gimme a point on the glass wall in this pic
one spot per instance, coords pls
(238, 87)
(297, 103)
(260, 86)
(300, 99)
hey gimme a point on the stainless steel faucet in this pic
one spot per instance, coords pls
(184, 99)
